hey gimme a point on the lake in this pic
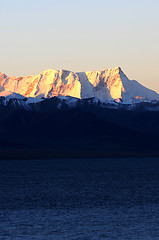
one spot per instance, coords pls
(79, 199)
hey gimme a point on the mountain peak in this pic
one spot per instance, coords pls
(118, 69)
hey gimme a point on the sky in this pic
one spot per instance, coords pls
(85, 35)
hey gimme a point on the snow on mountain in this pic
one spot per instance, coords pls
(107, 85)
(11, 95)
(33, 100)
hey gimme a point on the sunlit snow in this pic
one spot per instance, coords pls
(107, 85)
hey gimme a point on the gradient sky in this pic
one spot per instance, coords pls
(83, 35)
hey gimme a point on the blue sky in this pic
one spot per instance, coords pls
(81, 36)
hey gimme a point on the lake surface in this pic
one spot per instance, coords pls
(79, 199)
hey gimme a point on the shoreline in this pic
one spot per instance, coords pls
(27, 154)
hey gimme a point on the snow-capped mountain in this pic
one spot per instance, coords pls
(107, 86)
(61, 113)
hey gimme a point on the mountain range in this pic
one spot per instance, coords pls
(60, 114)
(106, 86)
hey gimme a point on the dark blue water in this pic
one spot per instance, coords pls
(79, 199)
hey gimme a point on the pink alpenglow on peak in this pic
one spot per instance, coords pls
(107, 85)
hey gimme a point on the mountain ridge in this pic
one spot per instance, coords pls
(106, 85)
(103, 117)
